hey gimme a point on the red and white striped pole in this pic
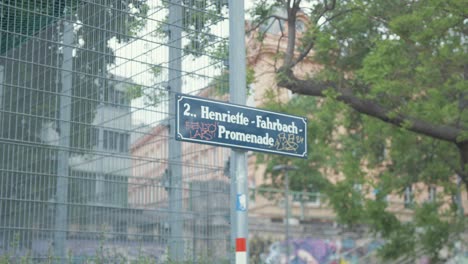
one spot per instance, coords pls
(241, 251)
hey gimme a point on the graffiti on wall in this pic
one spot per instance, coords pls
(333, 251)
(320, 251)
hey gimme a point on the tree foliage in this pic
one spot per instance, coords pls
(388, 110)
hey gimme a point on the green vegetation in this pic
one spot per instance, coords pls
(389, 109)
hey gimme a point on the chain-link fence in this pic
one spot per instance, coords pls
(89, 169)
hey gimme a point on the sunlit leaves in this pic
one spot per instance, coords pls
(411, 59)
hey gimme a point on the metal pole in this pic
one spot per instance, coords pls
(176, 247)
(286, 204)
(302, 205)
(238, 169)
(64, 144)
(285, 169)
(2, 74)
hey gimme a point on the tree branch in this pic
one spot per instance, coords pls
(368, 107)
(303, 54)
(297, 4)
(291, 44)
(264, 20)
(311, 43)
(335, 16)
(455, 170)
(325, 10)
(278, 48)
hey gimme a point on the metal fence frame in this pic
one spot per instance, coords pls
(89, 169)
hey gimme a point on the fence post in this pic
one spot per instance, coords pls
(64, 143)
(176, 247)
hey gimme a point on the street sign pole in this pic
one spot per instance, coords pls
(205, 121)
(238, 170)
(241, 128)
(176, 246)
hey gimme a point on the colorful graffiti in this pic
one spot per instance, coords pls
(320, 251)
(331, 251)
(288, 142)
(203, 131)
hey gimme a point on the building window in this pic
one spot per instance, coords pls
(123, 142)
(307, 198)
(152, 194)
(408, 197)
(300, 26)
(115, 97)
(95, 137)
(117, 188)
(115, 141)
(272, 26)
(140, 189)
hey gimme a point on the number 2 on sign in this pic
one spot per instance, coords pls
(187, 109)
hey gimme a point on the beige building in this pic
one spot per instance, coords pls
(150, 181)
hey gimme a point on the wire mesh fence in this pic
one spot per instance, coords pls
(89, 169)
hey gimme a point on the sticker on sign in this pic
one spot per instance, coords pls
(206, 121)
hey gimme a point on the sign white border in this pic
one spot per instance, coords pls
(180, 97)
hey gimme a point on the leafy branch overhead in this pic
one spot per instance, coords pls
(405, 64)
(388, 110)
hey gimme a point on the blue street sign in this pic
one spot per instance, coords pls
(205, 121)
